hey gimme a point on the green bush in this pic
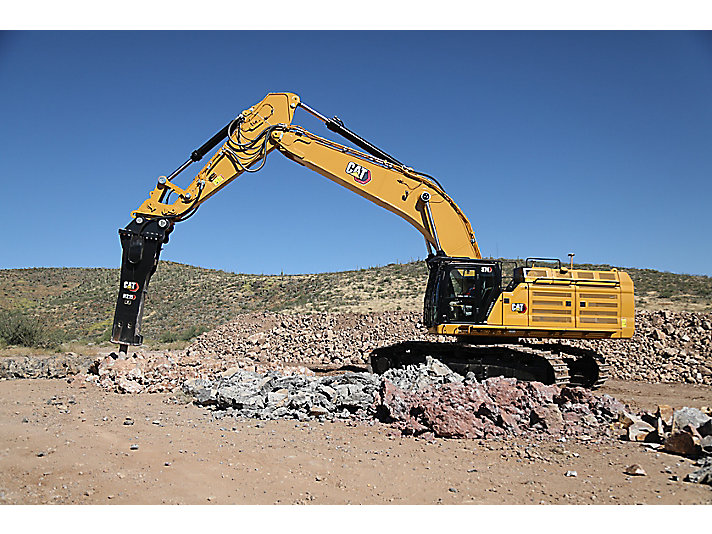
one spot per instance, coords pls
(19, 329)
(183, 335)
(106, 335)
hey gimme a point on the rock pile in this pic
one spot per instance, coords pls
(158, 372)
(496, 407)
(416, 377)
(703, 475)
(314, 339)
(429, 399)
(54, 366)
(424, 400)
(667, 346)
(273, 396)
(153, 373)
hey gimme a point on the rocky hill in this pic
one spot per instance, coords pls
(185, 300)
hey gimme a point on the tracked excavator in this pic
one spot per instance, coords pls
(495, 323)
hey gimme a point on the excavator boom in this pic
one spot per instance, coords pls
(258, 130)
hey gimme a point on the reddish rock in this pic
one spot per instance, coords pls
(508, 421)
(540, 393)
(682, 443)
(575, 395)
(572, 417)
(504, 391)
(549, 416)
(458, 411)
(494, 407)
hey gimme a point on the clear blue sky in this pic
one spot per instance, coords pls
(598, 143)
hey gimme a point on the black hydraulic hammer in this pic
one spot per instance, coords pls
(141, 243)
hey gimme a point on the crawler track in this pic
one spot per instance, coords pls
(587, 368)
(549, 363)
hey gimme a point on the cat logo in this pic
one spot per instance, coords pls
(131, 286)
(216, 179)
(361, 174)
(519, 307)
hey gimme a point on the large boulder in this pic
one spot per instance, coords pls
(683, 443)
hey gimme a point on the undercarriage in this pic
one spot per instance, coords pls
(549, 363)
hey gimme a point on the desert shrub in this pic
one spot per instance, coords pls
(183, 335)
(19, 329)
(105, 335)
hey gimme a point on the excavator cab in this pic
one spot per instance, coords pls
(461, 290)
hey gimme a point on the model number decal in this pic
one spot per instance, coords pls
(360, 173)
(485, 269)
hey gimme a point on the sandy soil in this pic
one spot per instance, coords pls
(62, 443)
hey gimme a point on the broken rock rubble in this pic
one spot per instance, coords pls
(495, 407)
(667, 346)
(427, 399)
(54, 366)
(686, 432)
(158, 372)
(703, 475)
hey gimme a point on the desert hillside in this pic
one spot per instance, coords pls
(185, 300)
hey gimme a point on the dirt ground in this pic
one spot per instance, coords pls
(62, 443)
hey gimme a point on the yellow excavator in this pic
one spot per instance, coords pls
(497, 322)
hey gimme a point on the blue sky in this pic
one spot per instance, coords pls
(550, 142)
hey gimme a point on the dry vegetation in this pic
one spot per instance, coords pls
(77, 304)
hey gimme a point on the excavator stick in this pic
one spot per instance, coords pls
(141, 243)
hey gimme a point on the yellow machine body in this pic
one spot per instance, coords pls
(553, 303)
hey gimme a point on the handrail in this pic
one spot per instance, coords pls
(571, 281)
(526, 262)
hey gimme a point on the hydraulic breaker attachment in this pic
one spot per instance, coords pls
(141, 242)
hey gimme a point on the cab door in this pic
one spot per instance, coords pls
(515, 306)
